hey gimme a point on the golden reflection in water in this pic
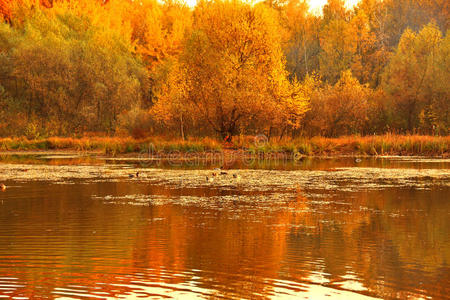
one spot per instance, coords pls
(201, 161)
(58, 240)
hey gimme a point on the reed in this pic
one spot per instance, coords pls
(388, 144)
(109, 145)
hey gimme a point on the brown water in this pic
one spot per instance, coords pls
(81, 228)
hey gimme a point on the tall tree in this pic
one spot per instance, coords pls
(72, 71)
(338, 41)
(303, 44)
(232, 68)
(411, 76)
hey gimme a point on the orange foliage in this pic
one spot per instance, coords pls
(5, 11)
(225, 67)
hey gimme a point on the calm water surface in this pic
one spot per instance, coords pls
(324, 228)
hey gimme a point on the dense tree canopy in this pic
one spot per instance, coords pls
(69, 71)
(341, 109)
(223, 67)
(232, 73)
(416, 79)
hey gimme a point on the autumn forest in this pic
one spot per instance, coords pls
(224, 67)
(224, 149)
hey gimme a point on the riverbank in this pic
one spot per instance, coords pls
(388, 144)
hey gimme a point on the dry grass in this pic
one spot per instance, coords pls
(394, 145)
(388, 144)
(384, 145)
(110, 145)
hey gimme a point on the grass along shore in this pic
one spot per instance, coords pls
(387, 144)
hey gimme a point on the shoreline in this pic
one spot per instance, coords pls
(184, 156)
(242, 147)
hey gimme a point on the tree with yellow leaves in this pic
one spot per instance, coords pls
(232, 72)
(303, 43)
(158, 29)
(70, 67)
(416, 80)
(340, 109)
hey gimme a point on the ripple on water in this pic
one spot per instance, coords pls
(9, 285)
(271, 234)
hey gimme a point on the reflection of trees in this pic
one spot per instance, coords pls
(47, 159)
(66, 239)
(390, 240)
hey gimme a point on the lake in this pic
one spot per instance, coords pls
(80, 227)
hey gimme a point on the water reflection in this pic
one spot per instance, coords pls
(96, 239)
(208, 161)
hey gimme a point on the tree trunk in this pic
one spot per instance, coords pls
(411, 110)
(182, 127)
(270, 132)
(282, 133)
(306, 59)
